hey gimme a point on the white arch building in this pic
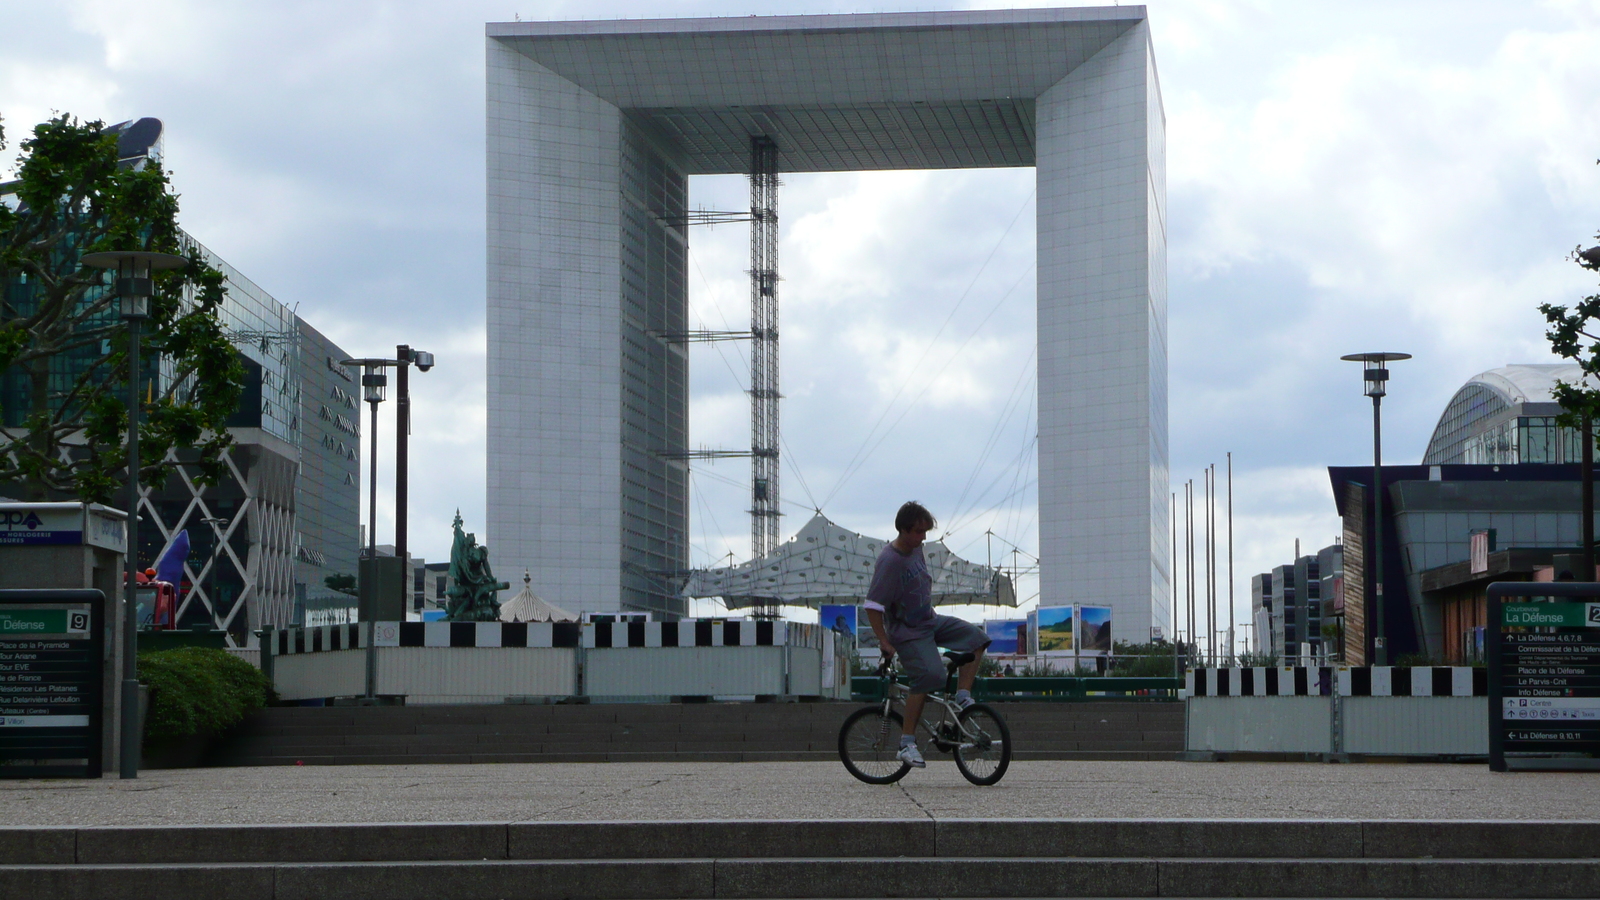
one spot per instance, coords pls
(594, 129)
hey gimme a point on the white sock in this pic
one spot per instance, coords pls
(963, 694)
(908, 740)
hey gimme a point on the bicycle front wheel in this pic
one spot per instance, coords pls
(984, 753)
(868, 743)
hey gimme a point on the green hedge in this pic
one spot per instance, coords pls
(198, 689)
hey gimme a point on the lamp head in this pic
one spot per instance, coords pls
(1374, 374)
(373, 382)
(374, 378)
(134, 285)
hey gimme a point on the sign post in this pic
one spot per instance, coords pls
(52, 673)
(1544, 675)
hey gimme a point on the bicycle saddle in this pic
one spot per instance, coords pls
(957, 660)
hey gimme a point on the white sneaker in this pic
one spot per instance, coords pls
(964, 702)
(910, 754)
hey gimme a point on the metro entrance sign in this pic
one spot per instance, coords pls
(1544, 675)
(52, 659)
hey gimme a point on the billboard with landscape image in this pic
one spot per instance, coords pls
(840, 619)
(1094, 626)
(1055, 629)
(1003, 635)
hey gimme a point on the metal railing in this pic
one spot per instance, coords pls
(1051, 688)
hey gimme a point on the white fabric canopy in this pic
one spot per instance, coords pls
(527, 606)
(825, 563)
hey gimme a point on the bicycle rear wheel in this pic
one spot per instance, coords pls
(985, 750)
(868, 743)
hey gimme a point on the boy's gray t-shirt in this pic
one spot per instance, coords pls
(902, 586)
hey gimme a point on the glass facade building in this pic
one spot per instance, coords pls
(285, 511)
(1506, 416)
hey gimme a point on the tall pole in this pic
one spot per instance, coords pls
(372, 499)
(1211, 558)
(1205, 557)
(402, 430)
(1588, 500)
(1380, 644)
(129, 753)
(1230, 556)
(372, 566)
(1189, 563)
(1172, 583)
(133, 288)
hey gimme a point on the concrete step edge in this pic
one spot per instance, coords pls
(1021, 839)
(757, 879)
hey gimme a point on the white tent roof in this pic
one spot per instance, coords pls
(527, 607)
(825, 563)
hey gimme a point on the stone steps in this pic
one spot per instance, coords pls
(773, 859)
(709, 732)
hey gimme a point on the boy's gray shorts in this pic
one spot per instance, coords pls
(920, 656)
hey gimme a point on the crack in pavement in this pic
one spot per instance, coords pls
(915, 801)
(612, 796)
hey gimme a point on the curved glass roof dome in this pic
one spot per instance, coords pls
(1488, 400)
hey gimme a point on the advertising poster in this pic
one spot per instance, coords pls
(1004, 636)
(842, 621)
(1094, 626)
(1055, 629)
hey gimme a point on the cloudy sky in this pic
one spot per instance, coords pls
(1343, 176)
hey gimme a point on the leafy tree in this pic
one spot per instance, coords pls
(63, 346)
(343, 583)
(1571, 337)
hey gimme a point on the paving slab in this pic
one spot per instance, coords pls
(640, 791)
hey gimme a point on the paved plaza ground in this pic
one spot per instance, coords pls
(798, 790)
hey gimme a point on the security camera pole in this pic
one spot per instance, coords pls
(423, 360)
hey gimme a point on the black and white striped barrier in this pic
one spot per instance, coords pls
(593, 635)
(1345, 681)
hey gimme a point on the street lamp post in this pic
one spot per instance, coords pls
(373, 382)
(133, 287)
(1589, 259)
(1375, 380)
(423, 360)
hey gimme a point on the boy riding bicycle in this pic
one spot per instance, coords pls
(900, 608)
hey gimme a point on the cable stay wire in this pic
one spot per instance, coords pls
(860, 460)
(789, 456)
(973, 515)
(706, 508)
(1030, 462)
(739, 484)
(1007, 412)
(849, 468)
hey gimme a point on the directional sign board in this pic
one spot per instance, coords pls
(1544, 675)
(52, 658)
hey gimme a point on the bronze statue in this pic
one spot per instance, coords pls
(472, 595)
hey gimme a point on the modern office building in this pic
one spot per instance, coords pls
(1308, 606)
(1288, 607)
(1261, 613)
(594, 129)
(1507, 416)
(284, 513)
(1330, 571)
(1497, 470)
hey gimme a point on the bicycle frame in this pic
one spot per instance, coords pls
(949, 716)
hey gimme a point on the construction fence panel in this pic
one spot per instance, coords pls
(1286, 724)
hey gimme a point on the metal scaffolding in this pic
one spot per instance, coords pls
(764, 396)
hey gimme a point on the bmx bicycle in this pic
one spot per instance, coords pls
(977, 737)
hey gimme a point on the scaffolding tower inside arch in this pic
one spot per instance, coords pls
(764, 396)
